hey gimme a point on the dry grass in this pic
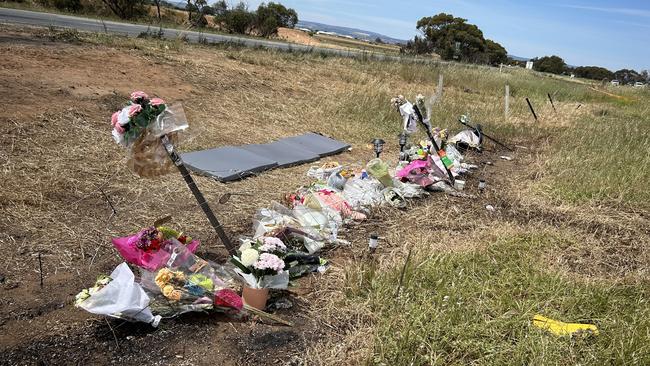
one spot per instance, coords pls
(56, 161)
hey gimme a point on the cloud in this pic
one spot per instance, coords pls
(624, 11)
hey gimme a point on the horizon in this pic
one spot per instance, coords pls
(602, 33)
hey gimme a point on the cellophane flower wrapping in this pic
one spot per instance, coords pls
(260, 263)
(140, 125)
(119, 297)
(189, 283)
(152, 247)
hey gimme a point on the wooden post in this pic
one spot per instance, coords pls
(40, 268)
(507, 102)
(551, 100)
(439, 89)
(198, 195)
(531, 109)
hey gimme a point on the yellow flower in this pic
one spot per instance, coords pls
(163, 277)
(171, 293)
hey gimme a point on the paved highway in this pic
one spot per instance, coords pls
(32, 18)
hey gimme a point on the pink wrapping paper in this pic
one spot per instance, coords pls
(150, 261)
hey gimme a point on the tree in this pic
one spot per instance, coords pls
(454, 39)
(628, 76)
(419, 46)
(496, 54)
(378, 40)
(593, 72)
(553, 64)
(645, 75)
(271, 16)
(198, 7)
(157, 3)
(220, 8)
(239, 19)
(125, 9)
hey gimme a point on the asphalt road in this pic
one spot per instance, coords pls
(32, 18)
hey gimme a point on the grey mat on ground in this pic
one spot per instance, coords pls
(284, 153)
(231, 163)
(227, 163)
(318, 144)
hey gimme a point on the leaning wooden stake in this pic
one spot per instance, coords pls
(531, 109)
(40, 268)
(198, 195)
(440, 152)
(551, 100)
(507, 102)
(264, 314)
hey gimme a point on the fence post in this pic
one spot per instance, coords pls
(439, 89)
(507, 103)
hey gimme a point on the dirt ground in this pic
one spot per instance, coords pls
(57, 158)
(297, 36)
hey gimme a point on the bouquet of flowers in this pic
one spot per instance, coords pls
(190, 283)
(118, 296)
(138, 127)
(260, 263)
(152, 247)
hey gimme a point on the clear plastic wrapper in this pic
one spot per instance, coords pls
(121, 298)
(190, 283)
(332, 200)
(363, 193)
(260, 263)
(147, 156)
(323, 172)
(140, 125)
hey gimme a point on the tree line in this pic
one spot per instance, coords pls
(556, 65)
(263, 21)
(452, 38)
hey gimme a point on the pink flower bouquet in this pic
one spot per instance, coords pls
(139, 125)
(260, 263)
(152, 247)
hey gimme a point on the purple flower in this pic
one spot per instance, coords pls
(272, 244)
(269, 261)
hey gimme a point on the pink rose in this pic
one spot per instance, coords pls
(156, 102)
(134, 109)
(138, 95)
(114, 118)
(119, 128)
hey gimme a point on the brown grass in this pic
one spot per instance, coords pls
(57, 157)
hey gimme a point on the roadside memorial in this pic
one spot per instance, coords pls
(286, 237)
(148, 129)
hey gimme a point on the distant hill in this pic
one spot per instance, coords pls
(517, 58)
(345, 31)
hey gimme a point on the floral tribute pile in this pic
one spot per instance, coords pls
(173, 280)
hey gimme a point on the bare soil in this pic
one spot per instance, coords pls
(57, 158)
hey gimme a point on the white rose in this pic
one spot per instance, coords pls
(246, 244)
(249, 256)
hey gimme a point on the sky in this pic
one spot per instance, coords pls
(612, 34)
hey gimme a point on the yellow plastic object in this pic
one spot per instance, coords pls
(563, 329)
(378, 169)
